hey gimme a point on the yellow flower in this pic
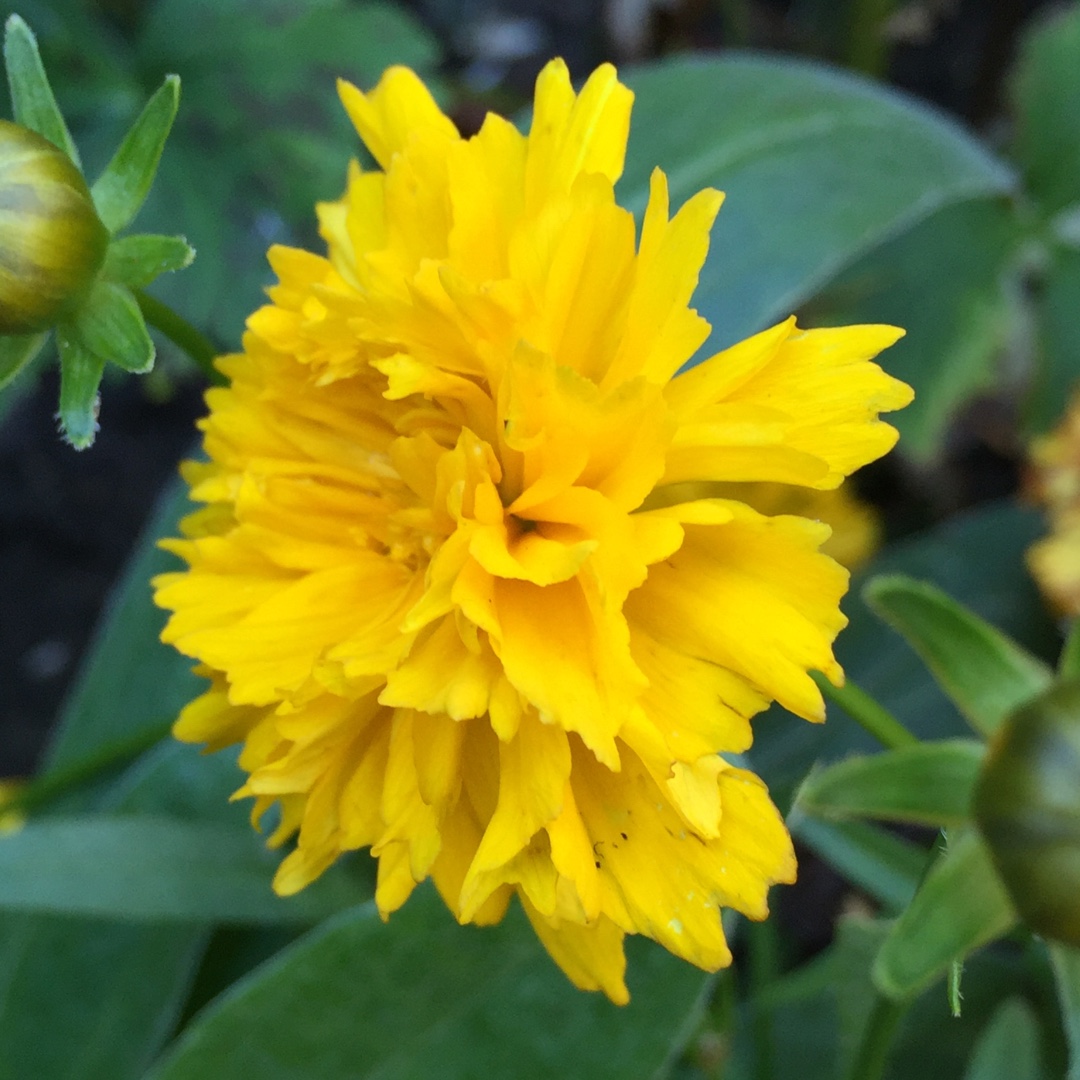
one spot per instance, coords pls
(1055, 561)
(439, 584)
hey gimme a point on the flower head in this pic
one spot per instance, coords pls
(451, 583)
(52, 242)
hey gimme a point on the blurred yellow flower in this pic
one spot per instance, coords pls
(1055, 561)
(440, 584)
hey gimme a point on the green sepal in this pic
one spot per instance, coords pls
(122, 188)
(138, 260)
(984, 673)
(928, 784)
(80, 377)
(16, 351)
(32, 100)
(111, 326)
(960, 905)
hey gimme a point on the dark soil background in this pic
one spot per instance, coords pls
(68, 520)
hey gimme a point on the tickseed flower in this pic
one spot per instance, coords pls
(1055, 560)
(443, 583)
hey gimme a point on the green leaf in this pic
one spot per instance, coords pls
(135, 261)
(943, 281)
(110, 325)
(153, 869)
(131, 980)
(1046, 99)
(122, 188)
(32, 100)
(959, 906)
(130, 683)
(926, 784)
(80, 378)
(422, 997)
(819, 168)
(1009, 1047)
(985, 674)
(880, 863)
(1057, 376)
(1066, 964)
(16, 351)
(89, 1000)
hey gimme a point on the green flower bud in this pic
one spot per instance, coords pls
(52, 242)
(1027, 804)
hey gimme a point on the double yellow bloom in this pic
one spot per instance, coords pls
(454, 583)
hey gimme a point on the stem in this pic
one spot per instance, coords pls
(48, 787)
(866, 712)
(764, 970)
(181, 333)
(873, 1052)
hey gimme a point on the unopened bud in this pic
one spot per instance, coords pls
(1027, 805)
(52, 242)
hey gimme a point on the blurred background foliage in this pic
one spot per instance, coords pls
(956, 216)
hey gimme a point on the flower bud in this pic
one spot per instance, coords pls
(1027, 804)
(52, 242)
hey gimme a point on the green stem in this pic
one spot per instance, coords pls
(764, 956)
(873, 1053)
(181, 333)
(48, 787)
(866, 712)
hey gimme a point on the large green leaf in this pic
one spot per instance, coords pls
(925, 784)
(943, 282)
(1057, 377)
(423, 997)
(960, 905)
(985, 673)
(1046, 96)
(157, 870)
(90, 999)
(819, 167)
(130, 683)
(86, 1000)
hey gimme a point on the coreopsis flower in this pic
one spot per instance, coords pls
(1055, 560)
(855, 530)
(444, 585)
